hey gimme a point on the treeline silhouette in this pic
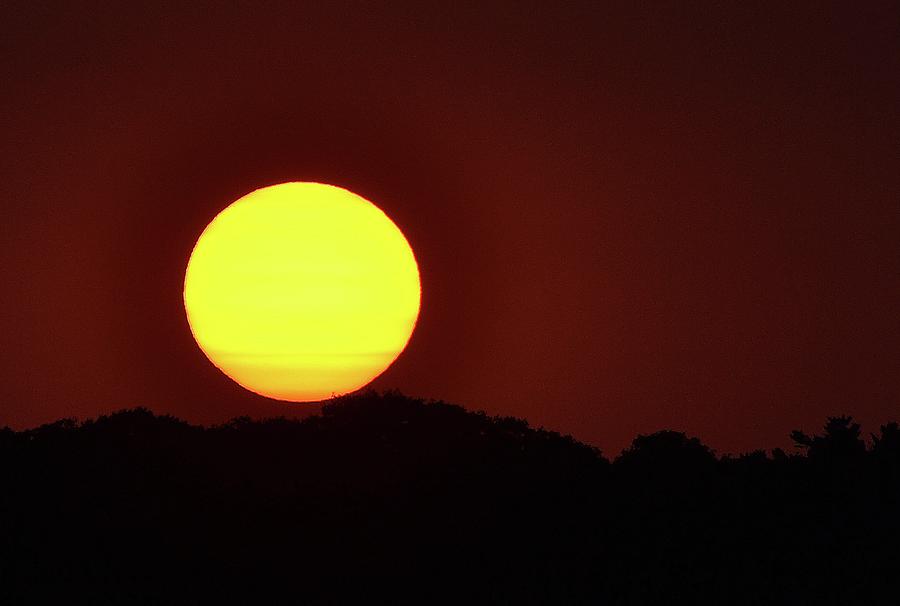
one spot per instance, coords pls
(385, 499)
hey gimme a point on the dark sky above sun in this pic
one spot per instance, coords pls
(626, 217)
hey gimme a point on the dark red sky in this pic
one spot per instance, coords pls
(626, 218)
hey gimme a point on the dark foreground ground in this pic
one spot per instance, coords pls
(386, 499)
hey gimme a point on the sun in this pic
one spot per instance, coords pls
(301, 291)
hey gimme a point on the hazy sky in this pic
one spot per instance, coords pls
(625, 218)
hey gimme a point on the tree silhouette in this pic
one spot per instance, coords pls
(388, 499)
(669, 449)
(840, 442)
(886, 452)
(888, 443)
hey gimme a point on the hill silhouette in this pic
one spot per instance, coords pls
(388, 499)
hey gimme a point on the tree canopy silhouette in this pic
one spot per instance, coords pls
(388, 499)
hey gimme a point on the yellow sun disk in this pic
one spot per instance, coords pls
(302, 290)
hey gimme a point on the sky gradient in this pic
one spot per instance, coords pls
(625, 218)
